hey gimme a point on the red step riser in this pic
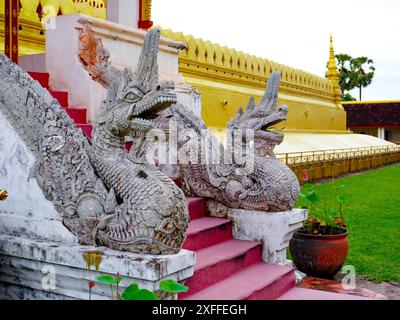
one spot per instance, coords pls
(197, 208)
(273, 291)
(78, 115)
(42, 78)
(208, 237)
(61, 97)
(87, 129)
(210, 275)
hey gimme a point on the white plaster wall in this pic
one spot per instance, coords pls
(124, 12)
(23, 260)
(26, 211)
(34, 62)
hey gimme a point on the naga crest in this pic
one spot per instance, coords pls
(261, 118)
(133, 98)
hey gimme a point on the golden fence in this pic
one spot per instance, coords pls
(209, 58)
(332, 163)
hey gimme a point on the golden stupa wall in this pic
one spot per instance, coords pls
(227, 78)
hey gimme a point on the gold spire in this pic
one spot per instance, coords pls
(333, 73)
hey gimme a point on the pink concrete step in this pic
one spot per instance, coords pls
(197, 207)
(221, 261)
(86, 128)
(61, 97)
(207, 231)
(258, 282)
(42, 78)
(308, 294)
(78, 115)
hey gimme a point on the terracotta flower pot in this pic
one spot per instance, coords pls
(319, 256)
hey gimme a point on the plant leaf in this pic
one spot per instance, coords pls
(141, 294)
(130, 291)
(171, 286)
(108, 280)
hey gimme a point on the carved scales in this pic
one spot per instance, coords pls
(252, 179)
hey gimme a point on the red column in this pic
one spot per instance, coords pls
(11, 29)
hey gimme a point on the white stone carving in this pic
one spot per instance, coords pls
(274, 229)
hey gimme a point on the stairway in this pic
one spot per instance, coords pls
(229, 269)
(77, 114)
(226, 269)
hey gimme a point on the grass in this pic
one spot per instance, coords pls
(372, 216)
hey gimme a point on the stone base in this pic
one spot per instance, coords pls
(30, 267)
(274, 229)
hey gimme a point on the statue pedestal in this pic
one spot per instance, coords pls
(39, 269)
(41, 259)
(274, 229)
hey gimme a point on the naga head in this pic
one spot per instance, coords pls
(261, 119)
(134, 98)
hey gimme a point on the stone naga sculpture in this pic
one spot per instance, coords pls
(105, 195)
(251, 179)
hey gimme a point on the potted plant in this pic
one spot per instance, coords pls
(321, 246)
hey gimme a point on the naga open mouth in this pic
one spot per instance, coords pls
(144, 115)
(151, 110)
(268, 127)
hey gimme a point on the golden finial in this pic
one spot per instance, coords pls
(333, 73)
(332, 68)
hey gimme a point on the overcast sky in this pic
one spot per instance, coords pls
(296, 33)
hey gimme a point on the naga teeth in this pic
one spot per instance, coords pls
(157, 101)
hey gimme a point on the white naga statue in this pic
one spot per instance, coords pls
(109, 196)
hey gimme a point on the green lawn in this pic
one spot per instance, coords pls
(373, 219)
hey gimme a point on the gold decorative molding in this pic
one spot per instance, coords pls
(32, 31)
(145, 15)
(203, 58)
(146, 10)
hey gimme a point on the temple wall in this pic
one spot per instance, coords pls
(26, 212)
(227, 79)
(32, 33)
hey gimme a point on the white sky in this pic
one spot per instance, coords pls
(296, 33)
